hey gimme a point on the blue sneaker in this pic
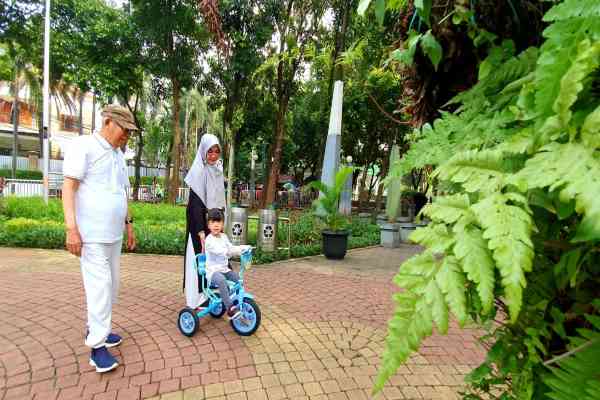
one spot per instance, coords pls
(113, 340)
(103, 360)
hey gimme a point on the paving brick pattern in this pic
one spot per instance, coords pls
(321, 336)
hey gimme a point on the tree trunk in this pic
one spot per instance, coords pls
(81, 95)
(372, 183)
(15, 120)
(168, 168)
(176, 151)
(277, 151)
(186, 134)
(94, 112)
(138, 153)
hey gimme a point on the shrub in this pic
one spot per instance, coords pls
(32, 208)
(147, 180)
(22, 174)
(160, 229)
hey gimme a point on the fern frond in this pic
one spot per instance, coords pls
(439, 310)
(476, 259)
(431, 288)
(452, 282)
(435, 237)
(575, 171)
(557, 56)
(590, 130)
(587, 60)
(506, 74)
(508, 231)
(577, 376)
(449, 209)
(573, 8)
(477, 171)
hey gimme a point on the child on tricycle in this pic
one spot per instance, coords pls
(215, 273)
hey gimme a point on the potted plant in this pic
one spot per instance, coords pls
(335, 237)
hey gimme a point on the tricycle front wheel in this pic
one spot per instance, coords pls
(188, 322)
(249, 321)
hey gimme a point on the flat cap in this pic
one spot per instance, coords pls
(121, 116)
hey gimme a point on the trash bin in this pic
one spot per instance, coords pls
(239, 226)
(267, 230)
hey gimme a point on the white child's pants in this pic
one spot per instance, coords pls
(100, 265)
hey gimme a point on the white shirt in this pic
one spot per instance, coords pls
(218, 251)
(101, 200)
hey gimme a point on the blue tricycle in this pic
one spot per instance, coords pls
(249, 320)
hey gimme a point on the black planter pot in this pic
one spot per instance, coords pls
(335, 244)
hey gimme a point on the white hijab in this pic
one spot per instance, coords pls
(207, 180)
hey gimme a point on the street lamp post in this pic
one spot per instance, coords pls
(46, 112)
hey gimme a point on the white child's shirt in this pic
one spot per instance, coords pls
(218, 251)
(101, 199)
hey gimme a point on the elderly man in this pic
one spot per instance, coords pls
(96, 213)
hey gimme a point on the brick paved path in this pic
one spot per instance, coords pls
(322, 331)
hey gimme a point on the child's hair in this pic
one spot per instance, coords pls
(215, 214)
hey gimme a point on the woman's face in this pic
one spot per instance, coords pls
(213, 154)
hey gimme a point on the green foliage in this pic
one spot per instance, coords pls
(147, 180)
(160, 229)
(514, 237)
(428, 44)
(22, 174)
(576, 376)
(327, 204)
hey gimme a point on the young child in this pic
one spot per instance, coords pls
(218, 250)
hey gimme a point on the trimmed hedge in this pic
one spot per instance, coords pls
(22, 174)
(160, 229)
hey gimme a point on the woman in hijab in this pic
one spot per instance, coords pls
(207, 190)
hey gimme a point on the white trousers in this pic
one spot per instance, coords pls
(100, 266)
(193, 299)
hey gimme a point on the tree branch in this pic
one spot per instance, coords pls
(385, 113)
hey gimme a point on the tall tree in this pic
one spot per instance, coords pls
(173, 42)
(248, 26)
(297, 26)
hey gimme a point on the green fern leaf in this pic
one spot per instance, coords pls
(572, 8)
(435, 237)
(508, 231)
(449, 209)
(476, 259)
(557, 57)
(476, 171)
(412, 319)
(577, 376)
(416, 271)
(590, 130)
(432, 48)
(587, 60)
(573, 169)
(439, 310)
(452, 282)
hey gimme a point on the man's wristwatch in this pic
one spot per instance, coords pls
(128, 221)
